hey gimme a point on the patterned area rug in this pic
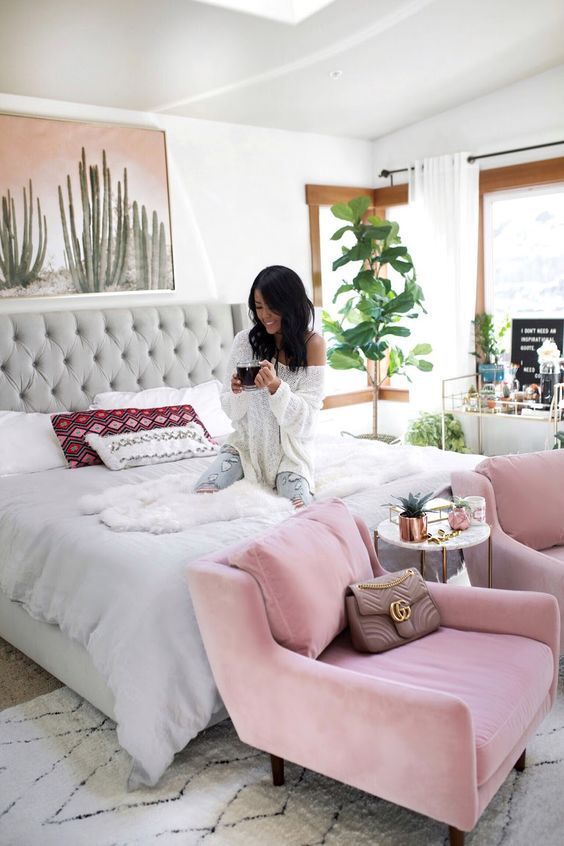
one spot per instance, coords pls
(62, 777)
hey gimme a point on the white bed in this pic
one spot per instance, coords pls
(109, 613)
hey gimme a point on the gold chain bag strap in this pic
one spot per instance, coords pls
(386, 612)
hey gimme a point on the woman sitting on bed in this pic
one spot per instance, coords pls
(274, 427)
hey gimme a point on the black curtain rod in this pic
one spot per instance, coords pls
(385, 173)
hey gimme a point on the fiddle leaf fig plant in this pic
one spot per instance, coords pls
(373, 312)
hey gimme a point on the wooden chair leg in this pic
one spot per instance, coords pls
(277, 765)
(455, 836)
(520, 763)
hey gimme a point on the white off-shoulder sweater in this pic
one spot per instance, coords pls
(274, 432)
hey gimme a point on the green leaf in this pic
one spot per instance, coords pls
(360, 252)
(372, 286)
(360, 277)
(346, 286)
(401, 265)
(359, 206)
(401, 331)
(347, 308)
(377, 233)
(378, 221)
(342, 260)
(355, 316)
(342, 211)
(392, 253)
(363, 333)
(396, 361)
(340, 232)
(332, 327)
(343, 359)
(393, 237)
(368, 308)
(400, 304)
(375, 350)
(421, 349)
(424, 365)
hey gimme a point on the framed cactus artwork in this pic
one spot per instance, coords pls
(84, 208)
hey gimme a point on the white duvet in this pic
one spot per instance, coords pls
(123, 595)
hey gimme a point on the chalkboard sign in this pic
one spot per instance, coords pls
(526, 337)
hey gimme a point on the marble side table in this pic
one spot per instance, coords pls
(472, 536)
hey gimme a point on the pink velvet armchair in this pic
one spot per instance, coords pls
(453, 710)
(525, 508)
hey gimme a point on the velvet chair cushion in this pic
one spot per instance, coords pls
(303, 567)
(503, 679)
(529, 496)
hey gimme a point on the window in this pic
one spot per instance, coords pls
(524, 252)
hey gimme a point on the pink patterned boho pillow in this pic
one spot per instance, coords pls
(71, 428)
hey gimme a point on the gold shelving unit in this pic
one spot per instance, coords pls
(482, 404)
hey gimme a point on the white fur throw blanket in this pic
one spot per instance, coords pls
(169, 505)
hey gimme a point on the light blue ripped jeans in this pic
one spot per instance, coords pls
(227, 469)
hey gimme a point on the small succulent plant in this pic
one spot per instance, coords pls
(460, 502)
(414, 503)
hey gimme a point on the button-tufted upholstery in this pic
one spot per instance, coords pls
(54, 361)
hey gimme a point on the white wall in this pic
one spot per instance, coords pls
(525, 113)
(237, 199)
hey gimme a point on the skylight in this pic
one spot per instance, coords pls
(287, 11)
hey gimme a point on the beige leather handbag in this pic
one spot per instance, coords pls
(390, 610)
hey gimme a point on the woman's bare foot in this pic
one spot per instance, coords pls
(298, 503)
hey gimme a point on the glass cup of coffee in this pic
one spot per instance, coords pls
(247, 372)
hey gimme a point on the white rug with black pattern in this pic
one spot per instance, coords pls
(63, 775)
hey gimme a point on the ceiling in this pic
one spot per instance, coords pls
(399, 62)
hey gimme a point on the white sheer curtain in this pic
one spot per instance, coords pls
(444, 195)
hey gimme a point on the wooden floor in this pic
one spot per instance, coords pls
(20, 678)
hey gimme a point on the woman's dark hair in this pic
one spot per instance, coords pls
(283, 292)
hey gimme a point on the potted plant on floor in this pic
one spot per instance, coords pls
(371, 317)
(413, 518)
(427, 430)
(489, 349)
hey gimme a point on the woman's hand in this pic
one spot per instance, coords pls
(267, 378)
(236, 385)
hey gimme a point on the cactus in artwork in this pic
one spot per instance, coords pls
(18, 268)
(97, 262)
(150, 250)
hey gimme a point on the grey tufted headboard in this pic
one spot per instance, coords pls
(53, 361)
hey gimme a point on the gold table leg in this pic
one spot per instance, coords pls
(444, 551)
(422, 563)
(490, 562)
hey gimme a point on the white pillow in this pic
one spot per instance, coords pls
(28, 443)
(204, 399)
(153, 446)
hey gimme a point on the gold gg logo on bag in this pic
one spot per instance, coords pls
(400, 611)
